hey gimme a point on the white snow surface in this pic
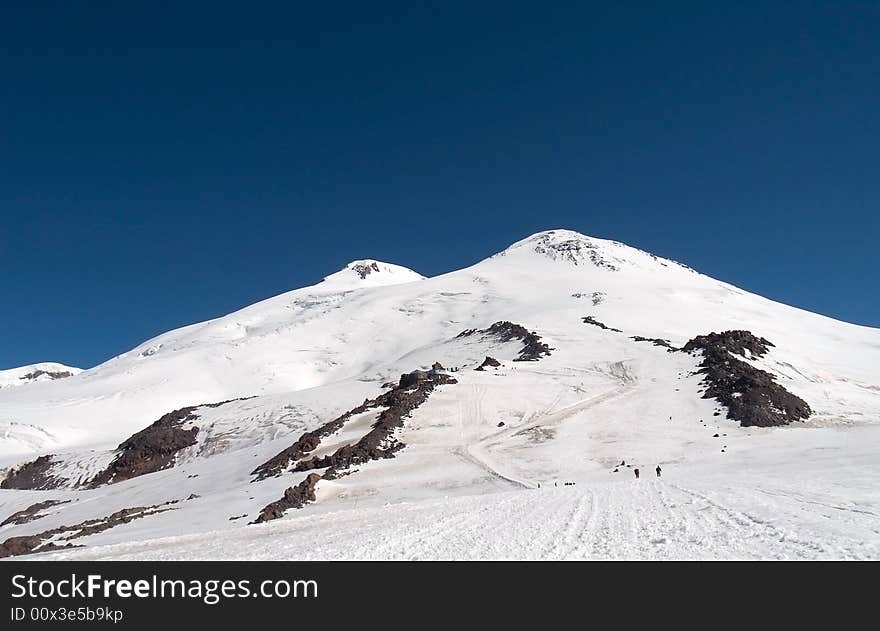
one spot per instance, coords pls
(467, 486)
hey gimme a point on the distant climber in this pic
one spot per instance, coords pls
(636, 471)
(658, 470)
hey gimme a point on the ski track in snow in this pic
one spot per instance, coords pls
(645, 519)
(479, 452)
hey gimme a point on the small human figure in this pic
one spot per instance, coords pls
(658, 470)
(636, 471)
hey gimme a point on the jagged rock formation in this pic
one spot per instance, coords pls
(595, 322)
(736, 342)
(61, 374)
(413, 390)
(305, 444)
(294, 497)
(35, 475)
(365, 269)
(151, 449)
(488, 362)
(751, 395)
(573, 248)
(504, 331)
(52, 539)
(31, 513)
(656, 341)
(309, 441)
(155, 447)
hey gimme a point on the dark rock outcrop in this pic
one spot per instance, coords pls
(488, 362)
(60, 374)
(533, 348)
(735, 342)
(305, 444)
(35, 475)
(656, 341)
(400, 401)
(379, 442)
(31, 512)
(155, 447)
(364, 269)
(294, 497)
(751, 395)
(412, 390)
(595, 322)
(52, 539)
(151, 449)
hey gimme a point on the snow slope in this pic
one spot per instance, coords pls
(467, 483)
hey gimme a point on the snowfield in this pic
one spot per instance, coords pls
(526, 460)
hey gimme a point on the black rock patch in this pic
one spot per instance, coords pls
(595, 322)
(363, 270)
(31, 513)
(489, 362)
(735, 342)
(61, 374)
(379, 442)
(412, 391)
(35, 475)
(751, 395)
(294, 497)
(398, 397)
(656, 341)
(504, 331)
(155, 447)
(30, 544)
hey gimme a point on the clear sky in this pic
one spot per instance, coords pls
(163, 164)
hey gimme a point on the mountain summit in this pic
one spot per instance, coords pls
(36, 373)
(370, 273)
(578, 249)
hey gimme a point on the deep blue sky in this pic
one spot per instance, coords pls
(161, 165)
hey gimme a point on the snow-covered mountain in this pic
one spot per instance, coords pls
(498, 411)
(34, 373)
